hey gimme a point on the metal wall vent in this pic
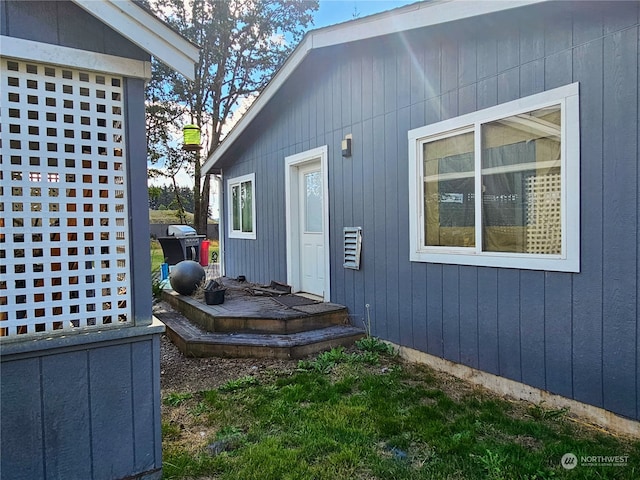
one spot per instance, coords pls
(352, 246)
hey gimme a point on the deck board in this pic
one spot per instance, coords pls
(247, 325)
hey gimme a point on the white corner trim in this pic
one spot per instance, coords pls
(146, 31)
(70, 57)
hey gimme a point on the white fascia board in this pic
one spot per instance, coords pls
(417, 15)
(147, 32)
(19, 48)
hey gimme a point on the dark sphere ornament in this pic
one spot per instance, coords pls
(186, 276)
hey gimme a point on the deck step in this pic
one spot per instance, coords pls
(196, 342)
(250, 314)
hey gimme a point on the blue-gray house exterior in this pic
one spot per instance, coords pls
(574, 334)
(78, 401)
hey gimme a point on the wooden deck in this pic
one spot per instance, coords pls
(248, 325)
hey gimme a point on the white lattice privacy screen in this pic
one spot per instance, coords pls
(544, 215)
(64, 236)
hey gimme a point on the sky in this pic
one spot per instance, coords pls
(337, 11)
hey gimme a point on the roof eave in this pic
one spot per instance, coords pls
(146, 31)
(417, 15)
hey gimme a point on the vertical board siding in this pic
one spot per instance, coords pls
(110, 390)
(468, 311)
(508, 49)
(532, 333)
(419, 307)
(390, 227)
(39, 22)
(509, 85)
(22, 457)
(558, 34)
(145, 420)
(65, 24)
(566, 333)
(67, 424)
(558, 327)
(587, 293)
(532, 78)
(488, 344)
(405, 323)
(367, 255)
(638, 239)
(509, 324)
(531, 44)
(90, 29)
(434, 289)
(4, 27)
(82, 413)
(620, 265)
(378, 231)
(451, 313)
(358, 216)
(340, 200)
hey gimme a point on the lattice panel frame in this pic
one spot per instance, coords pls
(64, 230)
(544, 214)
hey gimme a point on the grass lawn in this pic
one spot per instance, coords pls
(368, 415)
(168, 216)
(157, 258)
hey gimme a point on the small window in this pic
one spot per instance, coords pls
(241, 202)
(499, 187)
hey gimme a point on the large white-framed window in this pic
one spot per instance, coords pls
(499, 187)
(242, 206)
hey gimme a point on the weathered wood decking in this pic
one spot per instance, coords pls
(254, 326)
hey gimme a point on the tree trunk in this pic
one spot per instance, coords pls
(202, 207)
(200, 197)
(197, 220)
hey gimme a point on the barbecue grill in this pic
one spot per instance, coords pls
(181, 243)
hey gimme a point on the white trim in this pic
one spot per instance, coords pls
(417, 15)
(251, 177)
(221, 223)
(70, 57)
(146, 31)
(292, 217)
(569, 260)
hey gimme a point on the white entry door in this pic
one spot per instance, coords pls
(310, 198)
(307, 222)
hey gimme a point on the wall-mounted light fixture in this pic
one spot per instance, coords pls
(346, 145)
